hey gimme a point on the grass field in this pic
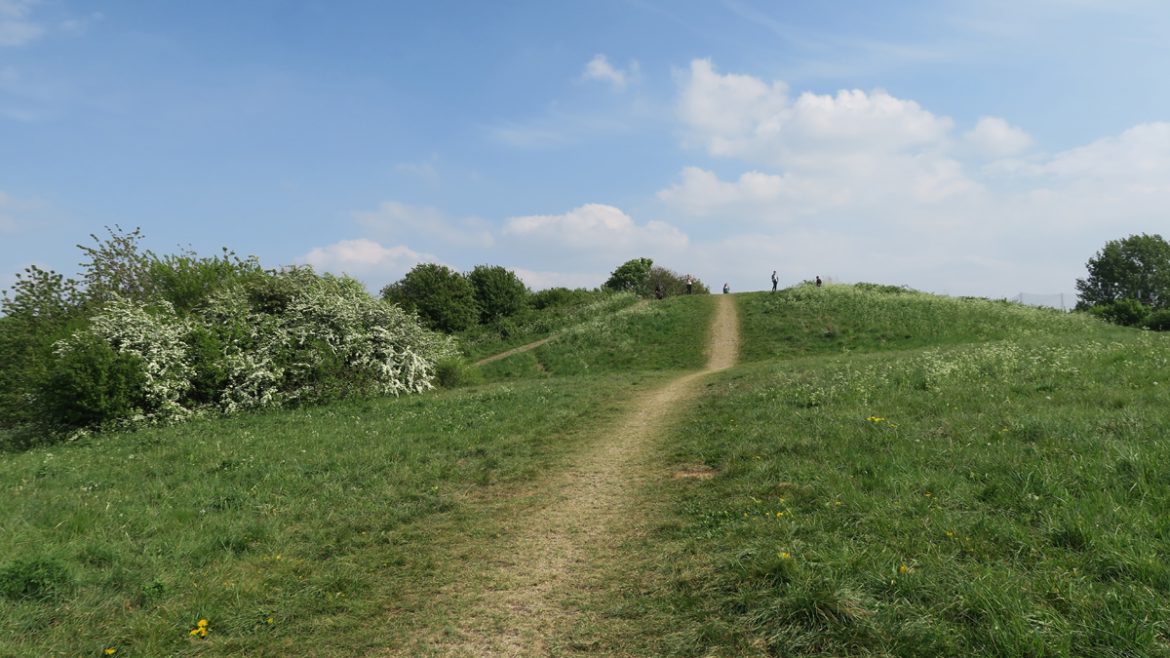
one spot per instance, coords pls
(886, 473)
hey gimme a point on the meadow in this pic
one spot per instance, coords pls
(885, 473)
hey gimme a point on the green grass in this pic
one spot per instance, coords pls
(534, 324)
(999, 498)
(663, 335)
(894, 474)
(806, 320)
(322, 520)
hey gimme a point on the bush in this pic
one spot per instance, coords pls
(562, 297)
(453, 373)
(188, 280)
(499, 293)
(443, 298)
(332, 339)
(1126, 312)
(43, 307)
(91, 384)
(1159, 320)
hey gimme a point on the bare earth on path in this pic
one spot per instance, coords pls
(537, 343)
(528, 599)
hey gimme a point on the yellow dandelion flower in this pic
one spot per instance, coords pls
(268, 621)
(110, 651)
(202, 623)
(950, 533)
(903, 569)
(779, 514)
(784, 555)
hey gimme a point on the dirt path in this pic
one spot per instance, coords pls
(535, 344)
(530, 597)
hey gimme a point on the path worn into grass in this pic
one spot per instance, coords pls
(537, 343)
(526, 603)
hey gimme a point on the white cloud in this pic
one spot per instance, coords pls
(866, 186)
(594, 226)
(539, 280)
(366, 259)
(401, 222)
(601, 70)
(15, 27)
(743, 117)
(1140, 155)
(994, 137)
(754, 196)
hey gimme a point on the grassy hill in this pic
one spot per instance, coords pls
(886, 473)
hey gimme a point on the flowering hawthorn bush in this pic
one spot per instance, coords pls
(153, 336)
(330, 338)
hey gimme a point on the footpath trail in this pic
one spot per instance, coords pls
(537, 343)
(527, 601)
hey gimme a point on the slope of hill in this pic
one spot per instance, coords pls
(885, 473)
(997, 486)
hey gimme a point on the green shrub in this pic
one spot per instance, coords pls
(91, 384)
(443, 298)
(1159, 320)
(1126, 312)
(188, 280)
(552, 297)
(43, 307)
(499, 293)
(454, 373)
(35, 579)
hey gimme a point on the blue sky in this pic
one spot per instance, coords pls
(977, 148)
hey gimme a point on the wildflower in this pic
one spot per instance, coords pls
(268, 621)
(779, 514)
(903, 569)
(110, 651)
(784, 555)
(951, 534)
(200, 629)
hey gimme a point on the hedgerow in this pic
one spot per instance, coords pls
(144, 339)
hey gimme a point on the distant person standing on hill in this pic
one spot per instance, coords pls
(818, 280)
(775, 280)
(690, 284)
(726, 289)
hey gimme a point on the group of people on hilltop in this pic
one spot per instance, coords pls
(659, 292)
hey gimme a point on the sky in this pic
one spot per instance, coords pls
(985, 148)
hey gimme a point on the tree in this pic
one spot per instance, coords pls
(498, 292)
(443, 298)
(630, 276)
(1137, 267)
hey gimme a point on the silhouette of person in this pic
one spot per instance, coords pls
(818, 281)
(775, 280)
